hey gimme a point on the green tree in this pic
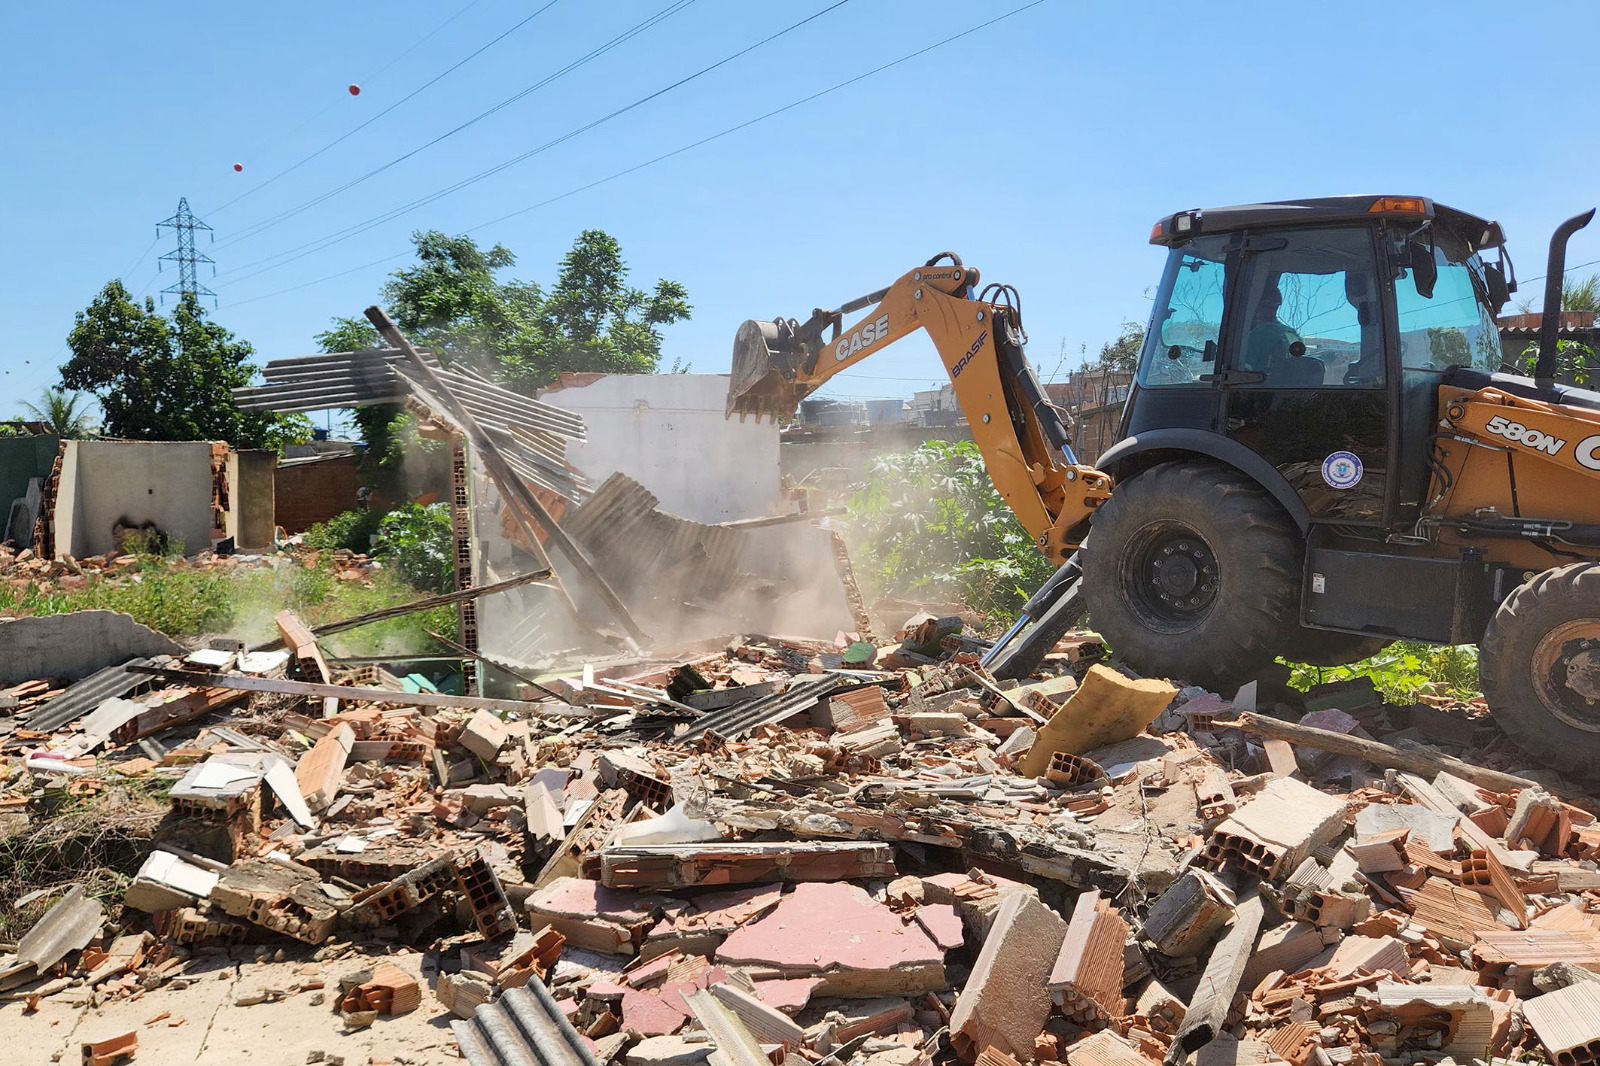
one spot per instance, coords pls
(1121, 354)
(65, 413)
(1581, 295)
(169, 379)
(455, 302)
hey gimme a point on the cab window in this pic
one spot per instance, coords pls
(1181, 343)
(1309, 315)
(1454, 326)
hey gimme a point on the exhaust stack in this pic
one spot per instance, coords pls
(1544, 371)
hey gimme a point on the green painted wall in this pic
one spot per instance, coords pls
(22, 458)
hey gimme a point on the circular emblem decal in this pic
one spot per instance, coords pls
(1342, 470)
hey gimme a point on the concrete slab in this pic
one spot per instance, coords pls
(836, 931)
(75, 645)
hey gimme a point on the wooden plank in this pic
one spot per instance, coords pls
(423, 604)
(1208, 1010)
(1416, 760)
(246, 683)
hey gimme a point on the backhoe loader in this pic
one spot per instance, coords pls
(1322, 451)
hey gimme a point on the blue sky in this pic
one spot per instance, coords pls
(1040, 148)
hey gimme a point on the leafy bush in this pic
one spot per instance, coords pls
(930, 525)
(353, 530)
(1403, 671)
(420, 543)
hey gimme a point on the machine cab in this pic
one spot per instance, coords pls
(1308, 339)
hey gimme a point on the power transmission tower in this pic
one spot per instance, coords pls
(184, 224)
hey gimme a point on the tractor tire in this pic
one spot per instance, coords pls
(1319, 647)
(1193, 572)
(1539, 664)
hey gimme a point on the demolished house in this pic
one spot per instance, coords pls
(856, 850)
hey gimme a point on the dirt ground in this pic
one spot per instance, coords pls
(216, 1031)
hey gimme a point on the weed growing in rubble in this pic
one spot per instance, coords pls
(1403, 671)
(929, 525)
(182, 599)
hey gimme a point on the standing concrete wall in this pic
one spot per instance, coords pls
(667, 432)
(252, 484)
(133, 482)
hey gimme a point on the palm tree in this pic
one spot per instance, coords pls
(66, 414)
(1581, 295)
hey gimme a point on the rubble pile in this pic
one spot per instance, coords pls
(22, 570)
(831, 852)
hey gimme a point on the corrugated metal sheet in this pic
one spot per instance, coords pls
(68, 926)
(78, 700)
(343, 379)
(741, 718)
(640, 548)
(524, 1027)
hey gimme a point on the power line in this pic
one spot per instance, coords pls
(127, 274)
(595, 53)
(668, 155)
(421, 88)
(345, 234)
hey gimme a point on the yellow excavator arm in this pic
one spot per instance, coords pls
(1024, 443)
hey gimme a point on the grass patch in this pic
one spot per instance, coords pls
(182, 600)
(99, 841)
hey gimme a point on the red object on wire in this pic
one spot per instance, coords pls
(355, 90)
(238, 167)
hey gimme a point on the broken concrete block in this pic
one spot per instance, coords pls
(320, 771)
(381, 904)
(937, 725)
(711, 863)
(543, 816)
(1006, 999)
(1381, 852)
(835, 931)
(1045, 698)
(670, 1051)
(75, 645)
(1108, 707)
(1276, 831)
(165, 883)
(461, 993)
(1535, 816)
(1186, 917)
(484, 735)
(592, 916)
(1434, 830)
(1087, 977)
(282, 896)
(1289, 947)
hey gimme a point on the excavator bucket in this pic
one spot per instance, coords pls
(763, 371)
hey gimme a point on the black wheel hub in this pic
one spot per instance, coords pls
(1173, 574)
